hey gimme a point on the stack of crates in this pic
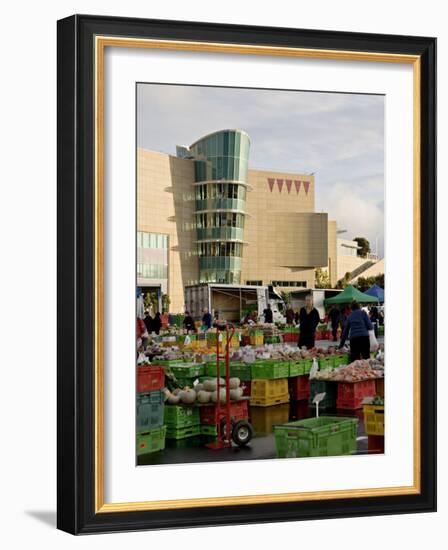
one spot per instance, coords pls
(263, 419)
(256, 337)
(187, 373)
(299, 387)
(210, 418)
(374, 419)
(300, 367)
(265, 393)
(150, 409)
(352, 394)
(322, 436)
(270, 369)
(181, 421)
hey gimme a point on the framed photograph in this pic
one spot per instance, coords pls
(246, 274)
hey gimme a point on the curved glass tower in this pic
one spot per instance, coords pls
(221, 164)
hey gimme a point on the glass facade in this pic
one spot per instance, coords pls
(152, 240)
(221, 165)
(152, 271)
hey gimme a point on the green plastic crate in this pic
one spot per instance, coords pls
(300, 367)
(149, 410)
(322, 436)
(151, 441)
(326, 363)
(179, 416)
(381, 330)
(184, 382)
(241, 370)
(270, 370)
(182, 433)
(187, 370)
(340, 360)
(210, 368)
(209, 429)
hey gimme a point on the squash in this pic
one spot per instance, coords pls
(187, 396)
(203, 396)
(234, 383)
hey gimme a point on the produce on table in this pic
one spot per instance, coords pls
(362, 369)
(203, 396)
(187, 396)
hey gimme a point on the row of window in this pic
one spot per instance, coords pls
(151, 240)
(289, 283)
(254, 283)
(220, 219)
(221, 168)
(226, 144)
(152, 271)
(221, 191)
(220, 276)
(220, 249)
(211, 263)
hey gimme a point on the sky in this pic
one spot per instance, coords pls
(338, 137)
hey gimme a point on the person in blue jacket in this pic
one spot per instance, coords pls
(206, 320)
(357, 329)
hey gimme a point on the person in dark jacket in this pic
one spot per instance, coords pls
(357, 329)
(309, 319)
(157, 323)
(335, 318)
(268, 317)
(289, 316)
(189, 322)
(374, 319)
(206, 320)
(148, 320)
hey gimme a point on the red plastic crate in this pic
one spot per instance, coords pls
(150, 378)
(245, 340)
(352, 394)
(299, 387)
(375, 443)
(246, 385)
(238, 410)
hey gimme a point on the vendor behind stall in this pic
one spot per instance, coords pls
(309, 319)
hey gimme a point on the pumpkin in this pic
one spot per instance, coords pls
(187, 396)
(203, 396)
(234, 383)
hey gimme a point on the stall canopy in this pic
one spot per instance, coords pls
(376, 291)
(349, 294)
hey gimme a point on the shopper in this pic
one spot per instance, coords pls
(157, 323)
(189, 322)
(141, 332)
(357, 329)
(206, 320)
(289, 316)
(335, 317)
(374, 319)
(268, 317)
(309, 319)
(148, 320)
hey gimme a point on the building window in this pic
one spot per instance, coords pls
(152, 240)
(152, 271)
(254, 283)
(290, 283)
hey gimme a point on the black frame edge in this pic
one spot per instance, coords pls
(76, 262)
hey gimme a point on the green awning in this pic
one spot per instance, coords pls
(349, 294)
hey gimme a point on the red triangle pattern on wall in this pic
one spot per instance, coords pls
(280, 185)
(297, 184)
(306, 186)
(288, 185)
(271, 182)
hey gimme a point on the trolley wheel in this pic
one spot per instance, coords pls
(242, 433)
(223, 426)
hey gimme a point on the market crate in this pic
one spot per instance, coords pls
(241, 370)
(181, 416)
(263, 419)
(272, 339)
(186, 382)
(187, 370)
(270, 369)
(373, 419)
(265, 393)
(245, 340)
(168, 362)
(150, 378)
(379, 387)
(299, 387)
(381, 330)
(209, 429)
(256, 340)
(149, 411)
(375, 443)
(182, 433)
(322, 436)
(211, 367)
(296, 368)
(151, 441)
(238, 410)
(326, 362)
(352, 394)
(330, 389)
(340, 360)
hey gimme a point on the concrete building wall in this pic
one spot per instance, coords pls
(332, 267)
(165, 204)
(347, 264)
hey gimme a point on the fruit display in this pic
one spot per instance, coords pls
(205, 392)
(362, 369)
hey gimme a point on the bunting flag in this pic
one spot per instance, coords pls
(288, 185)
(280, 185)
(271, 182)
(297, 184)
(306, 185)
